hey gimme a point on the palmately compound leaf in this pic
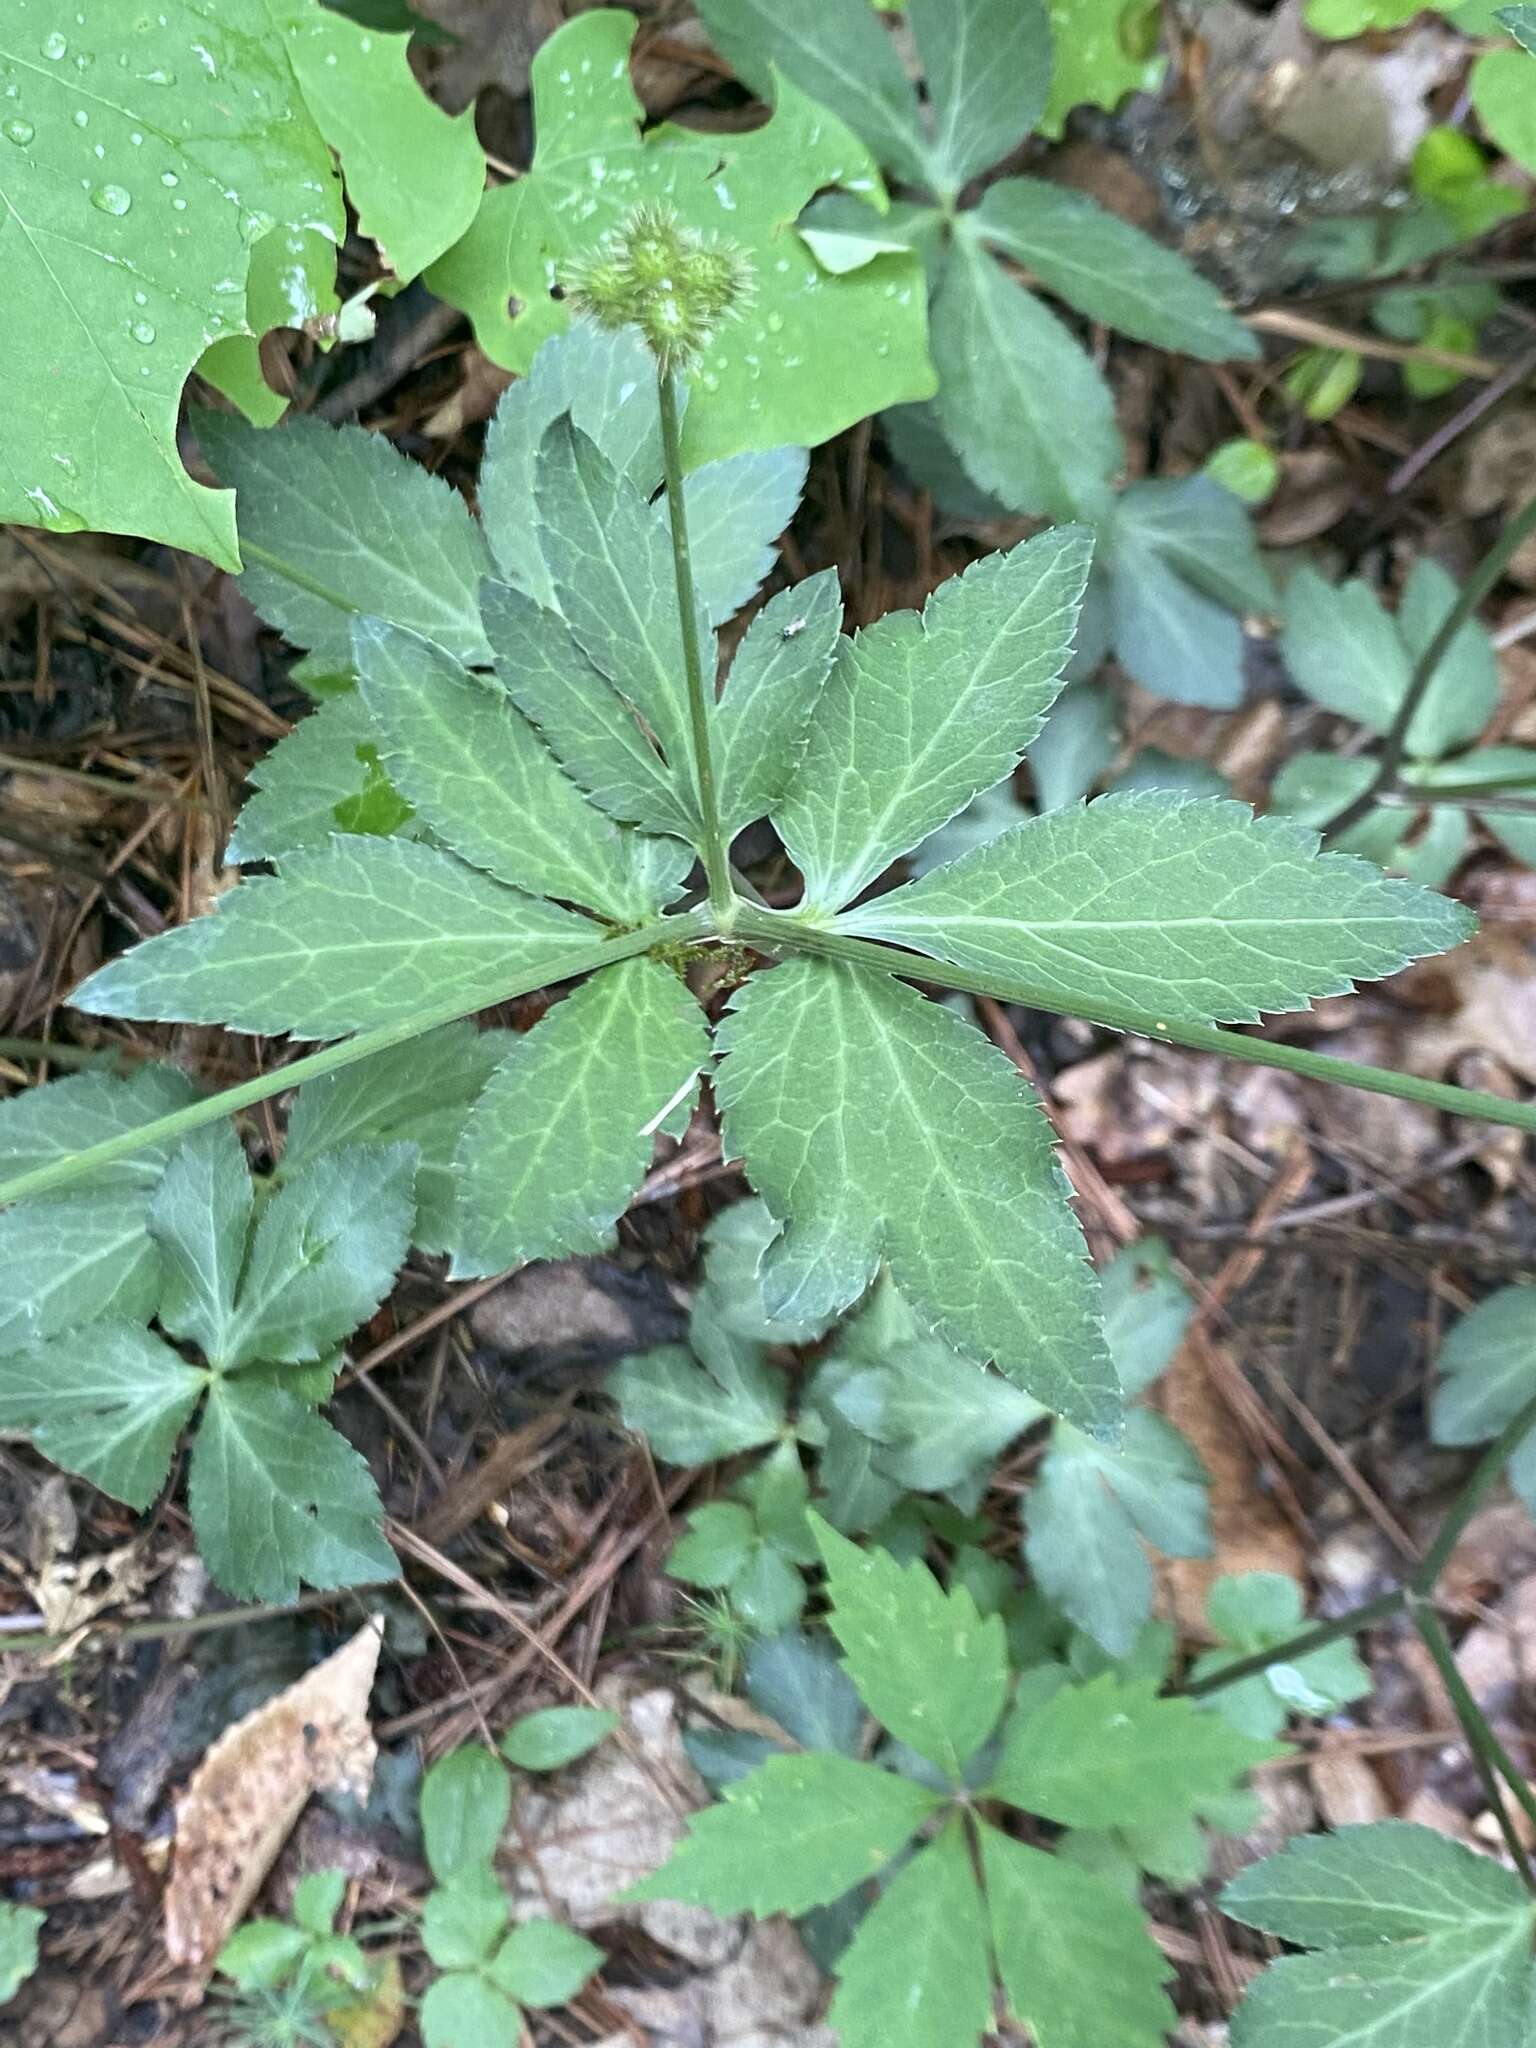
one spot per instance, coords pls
(107, 1402)
(928, 1666)
(134, 178)
(564, 1130)
(199, 1216)
(838, 53)
(1349, 654)
(811, 354)
(323, 778)
(1112, 1754)
(987, 65)
(542, 1963)
(919, 1968)
(1199, 531)
(1109, 270)
(1423, 1944)
(780, 669)
(368, 931)
(417, 1094)
(71, 1259)
(874, 1123)
(344, 509)
(797, 1832)
(481, 778)
(1075, 1956)
(326, 1249)
(1091, 1506)
(1188, 911)
(737, 508)
(1010, 378)
(279, 1499)
(924, 709)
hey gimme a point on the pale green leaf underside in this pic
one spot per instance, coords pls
(737, 508)
(107, 1402)
(350, 513)
(874, 1123)
(919, 1969)
(1109, 270)
(929, 1668)
(72, 1259)
(1188, 911)
(1011, 379)
(798, 1832)
(690, 1415)
(371, 931)
(922, 710)
(130, 169)
(479, 775)
(278, 1499)
(1076, 1959)
(564, 1130)
(1201, 533)
(1170, 637)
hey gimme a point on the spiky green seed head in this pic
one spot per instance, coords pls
(676, 285)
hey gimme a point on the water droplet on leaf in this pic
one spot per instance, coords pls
(111, 199)
(142, 332)
(54, 47)
(20, 132)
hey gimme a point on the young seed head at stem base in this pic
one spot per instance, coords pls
(671, 282)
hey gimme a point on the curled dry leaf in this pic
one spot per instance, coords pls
(251, 1787)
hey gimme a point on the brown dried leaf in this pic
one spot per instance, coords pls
(251, 1787)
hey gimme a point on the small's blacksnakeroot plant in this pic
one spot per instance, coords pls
(521, 757)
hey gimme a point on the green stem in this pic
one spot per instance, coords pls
(670, 931)
(1478, 1484)
(59, 1055)
(1294, 1648)
(1425, 669)
(717, 865)
(1491, 1758)
(784, 929)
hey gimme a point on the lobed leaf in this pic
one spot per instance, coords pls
(1076, 1959)
(1184, 910)
(928, 1666)
(279, 1499)
(324, 777)
(324, 1254)
(564, 1130)
(42, 1125)
(776, 679)
(1009, 375)
(466, 1798)
(1112, 1754)
(924, 709)
(737, 508)
(482, 780)
(1109, 270)
(369, 931)
(1424, 1943)
(72, 1259)
(340, 507)
(919, 1969)
(690, 1415)
(798, 1832)
(987, 66)
(199, 1216)
(877, 1124)
(107, 1402)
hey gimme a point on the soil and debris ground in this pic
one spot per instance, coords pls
(1330, 1238)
